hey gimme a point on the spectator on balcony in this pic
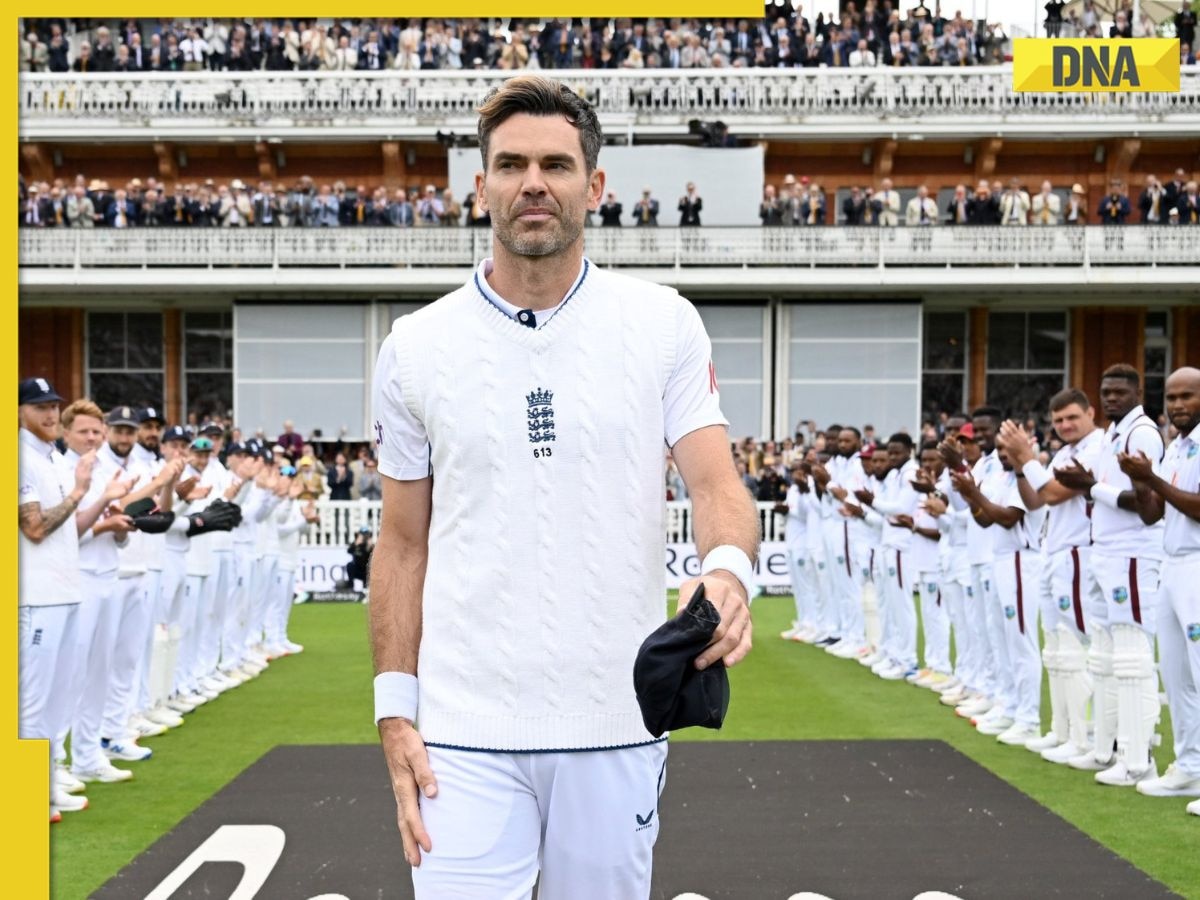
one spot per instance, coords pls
(84, 62)
(234, 210)
(837, 50)
(312, 483)
(430, 209)
(515, 53)
(770, 211)
(1186, 56)
(718, 43)
(887, 204)
(854, 207)
(104, 53)
(1152, 202)
(345, 57)
(138, 55)
(451, 209)
(476, 216)
(216, 37)
(150, 209)
(358, 209)
(742, 43)
(407, 57)
(35, 56)
(339, 477)
(175, 206)
(1114, 209)
(1176, 186)
(862, 56)
(291, 441)
(812, 207)
(265, 206)
(101, 198)
(58, 52)
(895, 54)
(124, 62)
(922, 209)
(299, 204)
(368, 484)
(610, 211)
(400, 212)
(645, 211)
(1076, 212)
(1185, 24)
(1189, 205)
(1014, 204)
(1121, 26)
(35, 212)
(80, 211)
(1045, 206)
(690, 205)
(958, 210)
(325, 209)
(239, 59)
(371, 56)
(195, 51)
(694, 56)
(173, 57)
(790, 202)
(379, 208)
(1054, 17)
(984, 207)
(122, 212)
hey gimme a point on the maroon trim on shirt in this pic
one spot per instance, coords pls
(1075, 598)
(1135, 599)
(1020, 593)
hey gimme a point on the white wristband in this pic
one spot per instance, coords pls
(1036, 474)
(1106, 494)
(395, 696)
(731, 559)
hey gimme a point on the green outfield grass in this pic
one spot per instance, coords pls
(783, 691)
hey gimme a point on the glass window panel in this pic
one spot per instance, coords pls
(945, 340)
(1047, 341)
(1023, 395)
(106, 340)
(941, 393)
(1006, 341)
(204, 337)
(1153, 395)
(857, 320)
(737, 360)
(111, 389)
(854, 360)
(144, 334)
(732, 321)
(315, 361)
(1156, 361)
(1156, 323)
(209, 394)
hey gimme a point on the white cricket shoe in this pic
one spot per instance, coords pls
(1194, 807)
(125, 748)
(1089, 762)
(871, 660)
(141, 726)
(64, 802)
(292, 647)
(994, 726)
(210, 684)
(107, 773)
(790, 633)
(897, 672)
(844, 650)
(1120, 775)
(1047, 741)
(973, 708)
(1064, 753)
(66, 782)
(1017, 735)
(955, 696)
(164, 715)
(1172, 783)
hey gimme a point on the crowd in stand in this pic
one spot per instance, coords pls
(877, 34)
(91, 204)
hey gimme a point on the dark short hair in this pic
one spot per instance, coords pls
(851, 428)
(901, 438)
(1067, 396)
(987, 412)
(1124, 371)
(540, 96)
(929, 445)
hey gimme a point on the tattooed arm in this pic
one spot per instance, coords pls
(38, 524)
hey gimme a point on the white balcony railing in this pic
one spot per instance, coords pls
(341, 519)
(50, 104)
(678, 248)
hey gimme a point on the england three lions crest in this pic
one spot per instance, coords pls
(540, 415)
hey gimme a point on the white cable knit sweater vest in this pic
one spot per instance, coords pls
(547, 538)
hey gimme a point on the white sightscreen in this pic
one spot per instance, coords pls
(728, 180)
(738, 344)
(304, 362)
(854, 364)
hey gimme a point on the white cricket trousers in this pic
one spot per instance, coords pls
(212, 619)
(586, 820)
(980, 599)
(96, 638)
(804, 584)
(280, 608)
(1179, 654)
(899, 611)
(235, 639)
(129, 651)
(935, 621)
(1017, 577)
(46, 663)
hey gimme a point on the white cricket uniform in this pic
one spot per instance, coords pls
(1017, 566)
(847, 548)
(926, 558)
(955, 579)
(48, 599)
(1179, 612)
(236, 627)
(825, 605)
(155, 546)
(804, 582)
(223, 580)
(528, 633)
(899, 575)
(290, 522)
(201, 568)
(268, 570)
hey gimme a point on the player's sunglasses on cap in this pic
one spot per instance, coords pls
(202, 443)
(671, 692)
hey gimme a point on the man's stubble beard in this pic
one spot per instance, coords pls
(538, 243)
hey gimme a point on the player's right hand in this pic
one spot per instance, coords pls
(83, 471)
(408, 765)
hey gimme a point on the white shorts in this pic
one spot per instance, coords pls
(586, 820)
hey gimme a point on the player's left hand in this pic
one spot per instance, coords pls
(731, 641)
(1138, 468)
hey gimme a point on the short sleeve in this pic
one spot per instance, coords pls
(27, 491)
(1011, 495)
(400, 439)
(1146, 439)
(692, 399)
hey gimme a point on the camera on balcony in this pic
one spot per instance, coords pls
(712, 134)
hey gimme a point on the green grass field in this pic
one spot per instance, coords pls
(783, 691)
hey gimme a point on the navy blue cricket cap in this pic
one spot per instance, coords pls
(37, 390)
(150, 414)
(238, 447)
(212, 428)
(176, 433)
(671, 691)
(122, 415)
